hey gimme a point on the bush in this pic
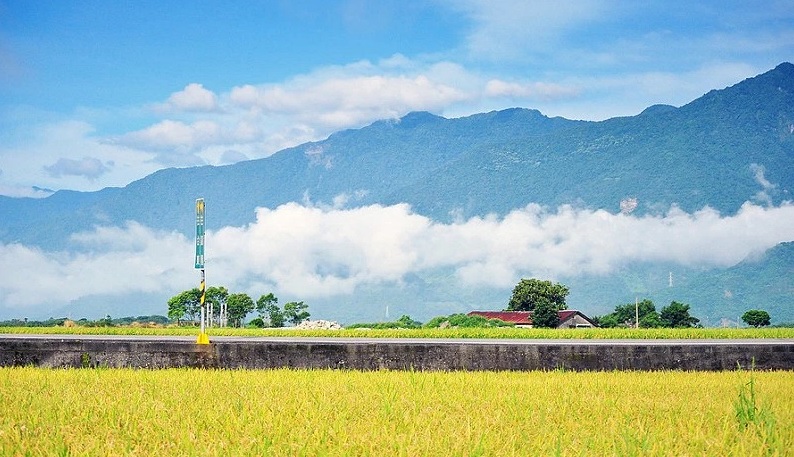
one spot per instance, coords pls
(465, 321)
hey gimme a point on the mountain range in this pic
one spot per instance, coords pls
(726, 148)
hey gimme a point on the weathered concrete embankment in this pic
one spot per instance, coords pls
(75, 351)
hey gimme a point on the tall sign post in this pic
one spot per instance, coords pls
(203, 338)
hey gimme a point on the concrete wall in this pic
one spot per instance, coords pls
(422, 355)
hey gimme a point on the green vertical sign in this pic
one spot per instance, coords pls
(200, 233)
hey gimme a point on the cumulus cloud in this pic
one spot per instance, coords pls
(90, 168)
(194, 97)
(67, 155)
(310, 251)
(112, 261)
(341, 102)
(533, 90)
(169, 134)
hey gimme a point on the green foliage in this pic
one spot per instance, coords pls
(238, 306)
(51, 322)
(676, 315)
(256, 322)
(404, 321)
(295, 312)
(436, 322)
(85, 360)
(545, 315)
(465, 321)
(185, 304)
(749, 414)
(529, 293)
(217, 296)
(651, 320)
(625, 315)
(267, 307)
(407, 322)
(507, 332)
(756, 318)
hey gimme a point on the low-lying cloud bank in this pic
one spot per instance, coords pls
(308, 251)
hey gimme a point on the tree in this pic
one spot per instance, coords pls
(405, 321)
(626, 315)
(295, 312)
(756, 318)
(238, 306)
(545, 315)
(186, 303)
(529, 293)
(267, 307)
(217, 296)
(176, 310)
(676, 315)
(607, 320)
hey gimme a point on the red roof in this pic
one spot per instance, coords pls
(513, 317)
(524, 317)
(566, 314)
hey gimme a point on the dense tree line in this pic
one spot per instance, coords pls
(674, 315)
(186, 306)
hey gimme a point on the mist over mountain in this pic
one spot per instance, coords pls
(725, 149)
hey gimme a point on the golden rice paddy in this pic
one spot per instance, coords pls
(402, 413)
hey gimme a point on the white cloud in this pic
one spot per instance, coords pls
(169, 134)
(767, 187)
(194, 97)
(67, 155)
(113, 261)
(89, 167)
(308, 252)
(347, 101)
(529, 91)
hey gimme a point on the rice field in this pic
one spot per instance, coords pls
(499, 333)
(403, 413)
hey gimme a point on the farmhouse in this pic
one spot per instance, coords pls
(569, 318)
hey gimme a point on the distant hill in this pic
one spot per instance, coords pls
(703, 153)
(716, 151)
(765, 282)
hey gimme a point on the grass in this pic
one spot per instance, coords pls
(402, 413)
(502, 332)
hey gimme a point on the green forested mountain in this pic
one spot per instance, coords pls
(764, 282)
(703, 153)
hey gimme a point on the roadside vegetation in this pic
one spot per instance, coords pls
(543, 299)
(424, 332)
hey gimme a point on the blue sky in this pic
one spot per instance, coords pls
(97, 93)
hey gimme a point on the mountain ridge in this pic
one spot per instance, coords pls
(720, 150)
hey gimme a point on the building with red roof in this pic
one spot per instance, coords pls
(569, 318)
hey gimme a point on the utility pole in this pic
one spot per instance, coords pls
(203, 338)
(636, 313)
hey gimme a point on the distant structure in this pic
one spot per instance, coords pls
(569, 318)
(670, 280)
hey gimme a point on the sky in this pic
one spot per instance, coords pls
(96, 94)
